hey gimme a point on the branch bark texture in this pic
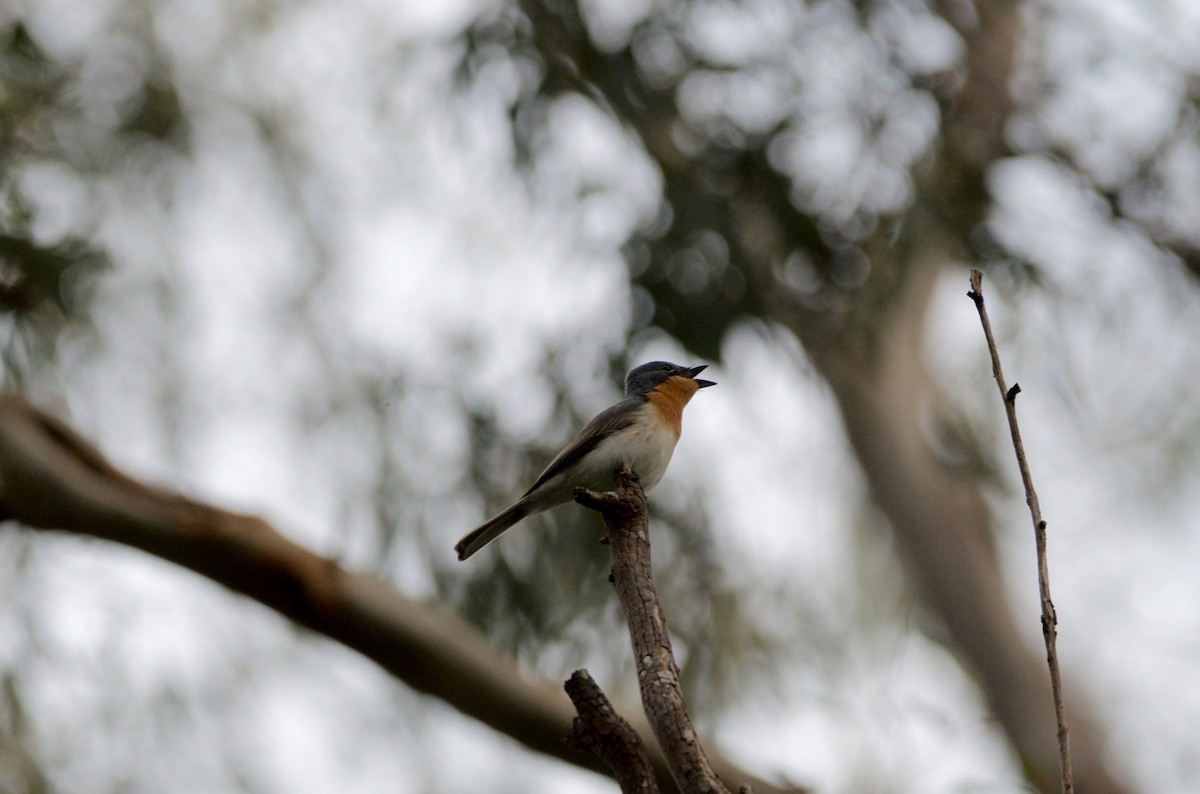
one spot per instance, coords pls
(627, 520)
(599, 729)
(50, 478)
(1049, 615)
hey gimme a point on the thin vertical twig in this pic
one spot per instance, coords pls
(1049, 616)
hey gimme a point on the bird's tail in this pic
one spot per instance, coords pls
(479, 537)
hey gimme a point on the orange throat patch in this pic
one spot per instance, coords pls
(669, 398)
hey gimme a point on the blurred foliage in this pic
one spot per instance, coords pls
(787, 167)
(48, 118)
(43, 284)
(762, 208)
(732, 202)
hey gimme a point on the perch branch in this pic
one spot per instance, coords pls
(1049, 616)
(627, 521)
(600, 730)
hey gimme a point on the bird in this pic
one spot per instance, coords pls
(641, 431)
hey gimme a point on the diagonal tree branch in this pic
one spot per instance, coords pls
(50, 478)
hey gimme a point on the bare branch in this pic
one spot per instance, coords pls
(1049, 616)
(599, 729)
(627, 521)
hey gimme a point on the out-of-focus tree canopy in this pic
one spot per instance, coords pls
(365, 267)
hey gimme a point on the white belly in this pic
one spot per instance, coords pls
(646, 446)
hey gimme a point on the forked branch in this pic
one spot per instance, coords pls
(627, 521)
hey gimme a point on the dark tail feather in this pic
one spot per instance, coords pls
(477, 538)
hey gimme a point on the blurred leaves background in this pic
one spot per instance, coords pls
(365, 267)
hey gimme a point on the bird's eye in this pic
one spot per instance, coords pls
(667, 368)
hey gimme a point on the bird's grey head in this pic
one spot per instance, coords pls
(647, 377)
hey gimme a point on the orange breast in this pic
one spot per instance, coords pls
(670, 397)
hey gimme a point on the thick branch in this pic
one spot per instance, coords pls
(600, 730)
(50, 478)
(627, 520)
(1049, 616)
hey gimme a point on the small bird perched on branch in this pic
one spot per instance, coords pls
(641, 431)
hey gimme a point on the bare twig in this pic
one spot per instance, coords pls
(1049, 616)
(51, 478)
(627, 522)
(599, 729)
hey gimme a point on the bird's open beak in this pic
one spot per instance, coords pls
(694, 371)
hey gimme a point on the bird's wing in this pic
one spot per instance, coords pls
(611, 420)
